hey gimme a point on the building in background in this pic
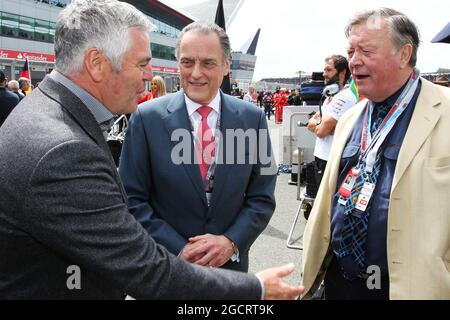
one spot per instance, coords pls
(27, 29)
(244, 60)
(243, 63)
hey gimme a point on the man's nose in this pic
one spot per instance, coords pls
(355, 59)
(196, 70)
(148, 73)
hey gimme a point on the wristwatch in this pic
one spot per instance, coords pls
(235, 249)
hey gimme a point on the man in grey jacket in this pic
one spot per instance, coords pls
(65, 230)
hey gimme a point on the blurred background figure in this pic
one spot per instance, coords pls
(280, 100)
(249, 95)
(24, 85)
(13, 86)
(337, 99)
(147, 96)
(294, 98)
(158, 87)
(259, 99)
(268, 103)
(8, 100)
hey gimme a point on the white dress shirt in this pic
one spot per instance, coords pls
(196, 118)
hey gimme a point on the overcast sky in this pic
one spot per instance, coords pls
(298, 34)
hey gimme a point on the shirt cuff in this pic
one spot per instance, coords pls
(235, 256)
(263, 290)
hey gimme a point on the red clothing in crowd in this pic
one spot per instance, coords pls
(280, 100)
(145, 97)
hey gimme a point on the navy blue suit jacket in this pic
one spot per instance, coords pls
(169, 200)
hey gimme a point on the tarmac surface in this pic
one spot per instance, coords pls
(269, 249)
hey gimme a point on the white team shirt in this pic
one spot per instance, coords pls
(335, 107)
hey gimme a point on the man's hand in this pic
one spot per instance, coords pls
(187, 252)
(275, 288)
(208, 250)
(326, 127)
(312, 122)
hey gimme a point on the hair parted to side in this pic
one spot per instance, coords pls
(401, 29)
(101, 24)
(206, 28)
(341, 64)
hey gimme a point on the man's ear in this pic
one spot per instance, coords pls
(96, 64)
(227, 67)
(405, 55)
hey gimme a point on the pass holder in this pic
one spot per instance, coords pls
(364, 196)
(347, 185)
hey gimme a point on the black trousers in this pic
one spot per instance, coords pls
(339, 288)
(319, 167)
(268, 110)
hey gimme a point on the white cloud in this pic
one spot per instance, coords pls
(297, 35)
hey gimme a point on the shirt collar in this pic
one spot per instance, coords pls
(193, 106)
(101, 114)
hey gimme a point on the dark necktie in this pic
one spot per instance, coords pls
(351, 250)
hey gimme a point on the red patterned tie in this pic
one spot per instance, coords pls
(206, 153)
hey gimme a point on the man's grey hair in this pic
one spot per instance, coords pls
(401, 29)
(101, 24)
(206, 28)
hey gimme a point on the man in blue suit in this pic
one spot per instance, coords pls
(197, 165)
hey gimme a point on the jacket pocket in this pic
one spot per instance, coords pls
(391, 152)
(438, 163)
(350, 150)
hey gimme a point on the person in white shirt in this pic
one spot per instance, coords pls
(249, 95)
(336, 74)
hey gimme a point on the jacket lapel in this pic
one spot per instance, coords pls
(77, 109)
(229, 119)
(340, 143)
(178, 118)
(423, 121)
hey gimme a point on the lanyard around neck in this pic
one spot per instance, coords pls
(371, 144)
